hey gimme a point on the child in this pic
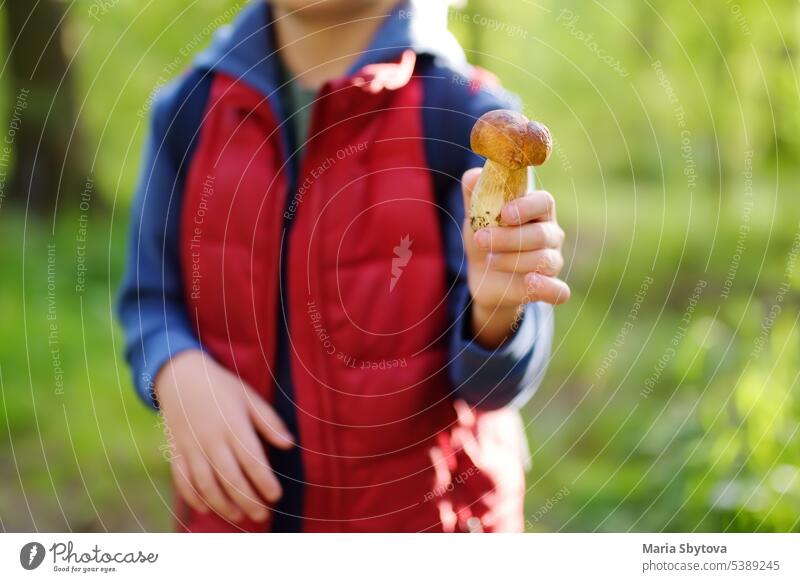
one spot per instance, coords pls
(331, 347)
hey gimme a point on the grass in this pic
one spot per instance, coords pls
(82, 455)
(708, 448)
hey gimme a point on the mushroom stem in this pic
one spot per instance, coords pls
(496, 185)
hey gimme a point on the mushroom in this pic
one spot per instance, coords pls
(510, 143)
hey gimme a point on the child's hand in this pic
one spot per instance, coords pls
(511, 265)
(213, 420)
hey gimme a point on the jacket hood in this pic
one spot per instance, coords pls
(245, 49)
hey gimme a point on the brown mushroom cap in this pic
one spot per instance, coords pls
(510, 139)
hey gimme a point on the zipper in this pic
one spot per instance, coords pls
(300, 168)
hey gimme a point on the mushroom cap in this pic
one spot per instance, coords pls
(510, 139)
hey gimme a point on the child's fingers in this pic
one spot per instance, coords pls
(183, 485)
(534, 206)
(206, 483)
(251, 457)
(507, 290)
(528, 237)
(236, 485)
(546, 289)
(269, 424)
(545, 261)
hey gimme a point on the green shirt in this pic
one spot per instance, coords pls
(297, 102)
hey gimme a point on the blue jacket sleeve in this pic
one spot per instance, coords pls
(151, 307)
(509, 375)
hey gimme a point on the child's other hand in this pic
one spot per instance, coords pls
(514, 264)
(213, 420)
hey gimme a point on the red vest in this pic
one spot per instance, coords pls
(385, 447)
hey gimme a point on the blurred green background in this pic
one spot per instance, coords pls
(672, 399)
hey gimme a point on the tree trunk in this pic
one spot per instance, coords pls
(46, 153)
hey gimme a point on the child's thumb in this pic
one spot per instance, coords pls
(468, 182)
(269, 424)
